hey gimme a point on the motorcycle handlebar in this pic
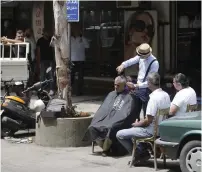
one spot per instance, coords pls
(37, 85)
(46, 81)
(7, 81)
(28, 89)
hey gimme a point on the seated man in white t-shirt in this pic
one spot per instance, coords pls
(185, 95)
(159, 99)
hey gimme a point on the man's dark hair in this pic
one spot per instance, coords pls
(182, 79)
(46, 30)
(19, 32)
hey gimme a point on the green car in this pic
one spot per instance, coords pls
(180, 138)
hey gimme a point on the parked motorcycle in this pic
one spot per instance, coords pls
(16, 113)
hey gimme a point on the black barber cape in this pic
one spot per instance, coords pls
(117, 112)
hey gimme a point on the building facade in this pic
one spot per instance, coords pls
(174, 32)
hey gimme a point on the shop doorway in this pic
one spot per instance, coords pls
(189, 41)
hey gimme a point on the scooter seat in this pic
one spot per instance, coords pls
(17, 99)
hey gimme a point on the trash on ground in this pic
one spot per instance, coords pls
(19, 140)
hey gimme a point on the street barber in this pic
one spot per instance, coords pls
(147, 64)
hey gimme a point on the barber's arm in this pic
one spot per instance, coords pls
(128, 63)
(131, 61)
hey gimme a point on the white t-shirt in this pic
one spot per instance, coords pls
(78, 46)
(159, 99)
(183, 98)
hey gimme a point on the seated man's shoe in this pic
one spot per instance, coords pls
(104, 153)
(107, 153)
(141, 158)
(145, 156)
(107, 144)
(106, 147)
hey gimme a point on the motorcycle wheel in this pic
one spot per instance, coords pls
(5, 132)
(6, 129)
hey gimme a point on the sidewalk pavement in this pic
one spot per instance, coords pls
(33, 158)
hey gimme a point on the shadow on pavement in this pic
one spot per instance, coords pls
(171, 166)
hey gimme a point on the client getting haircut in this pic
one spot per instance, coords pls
(119, 83)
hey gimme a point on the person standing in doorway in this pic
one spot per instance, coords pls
(147, 64)
(44, 56)
(7, 30)
(29, 37)
(78, 46)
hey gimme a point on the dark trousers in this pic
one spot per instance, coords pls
(140, 105)
(32, 73)
(43, 67)
(141, 100)
(79, 69)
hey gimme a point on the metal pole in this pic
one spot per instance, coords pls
(68, 88)
(69, 40)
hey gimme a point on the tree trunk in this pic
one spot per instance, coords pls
(61, 53)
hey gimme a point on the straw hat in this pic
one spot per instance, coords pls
(144, 50)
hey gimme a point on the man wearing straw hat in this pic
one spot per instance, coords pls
(147, 64)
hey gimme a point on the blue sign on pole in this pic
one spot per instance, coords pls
(72, 10)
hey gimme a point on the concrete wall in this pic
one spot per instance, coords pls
(163, 9)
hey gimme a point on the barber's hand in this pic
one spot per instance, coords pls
(120, 69)
(130, 85)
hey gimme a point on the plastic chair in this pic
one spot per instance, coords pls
(191, 108)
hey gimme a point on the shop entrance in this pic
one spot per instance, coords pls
(189, 41)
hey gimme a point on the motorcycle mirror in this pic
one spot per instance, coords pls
(48, 69)
(18, 83)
